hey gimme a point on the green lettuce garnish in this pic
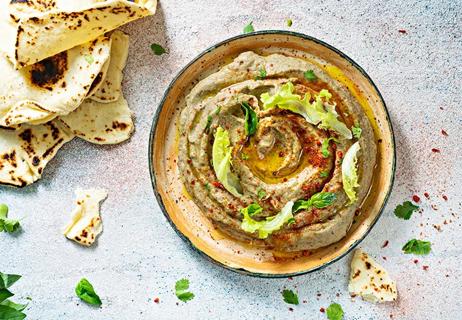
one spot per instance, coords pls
(268, 226)
(251, 119)
(319, 112)
(221, 160)
(350, 172)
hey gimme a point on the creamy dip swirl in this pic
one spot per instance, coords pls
(282, 162)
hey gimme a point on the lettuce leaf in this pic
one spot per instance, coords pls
(350, 172)
(221, 160)
(318, 112)
(268, 226)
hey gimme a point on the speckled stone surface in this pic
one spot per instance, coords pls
(139, 257)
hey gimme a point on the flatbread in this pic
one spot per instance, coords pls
(101, 123)
(55, 86)
(31, 31)
(86, 222)
(25, 152)
(370, 280)
(111, 87)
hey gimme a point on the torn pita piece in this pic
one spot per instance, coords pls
(33, 30)
(86, 222)
(26, 151)
(370, 280)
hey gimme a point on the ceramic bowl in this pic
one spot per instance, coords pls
(186, 218)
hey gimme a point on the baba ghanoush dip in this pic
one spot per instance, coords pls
(276, 153)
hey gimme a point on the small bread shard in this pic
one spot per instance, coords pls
(86, 222)
(55, 86)
(370, 280)
(111, 87)
(26, 150)
(31, 31)
(101, 123)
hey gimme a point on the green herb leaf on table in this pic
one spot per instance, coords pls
(181, 287)
(158, 49)
(318, 200)
(310, 76)
(325, 147)
(13, 305)
(289, 22)
(356, 129)
(249, 28)
(251, 119)
(418, 247)
(405, 210)
(290, 297)
(5, 294)
(261, 74)
(261, 193)
(86, 292)
(334, 312)
(7, 280)
(7, 225)
(9, 313)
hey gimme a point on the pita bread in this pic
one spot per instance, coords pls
(370, 280)
(101, 123)
(31, 31)
(55, 86)
(25, 152)
(86, 222)
(111, 87)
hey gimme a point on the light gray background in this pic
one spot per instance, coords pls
(139, 256)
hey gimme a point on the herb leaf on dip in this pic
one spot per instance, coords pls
(310, 76)
(319, 200)
(251, 119)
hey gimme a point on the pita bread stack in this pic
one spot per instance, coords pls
(61, 63)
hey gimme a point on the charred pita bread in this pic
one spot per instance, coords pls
(31, 31)
(26, 151)
(370, 280)
(111, 87)
(101, 123)
(52, 87)
(86, 222)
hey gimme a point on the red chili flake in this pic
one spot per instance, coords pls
(415, 198)
(426, 195)
(416, 261)
(444, 133)
(319, 294)
(402, 31)
(217, 184)
(322, 310)
(385, 244)
(436, 150)
(281, 154)
(425, 268)
(340, 154)
(291, 309)
(285, 179)
(445, 197)
(189, 161)
(156, 300)
(318, 143)
(384, 258)
(193, 182)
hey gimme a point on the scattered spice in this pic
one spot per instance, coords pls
(426, 195)
(435, 150)
(416, 261)
(402, 31)
(425, 268)
(445, 197)
(156, 300)
(322, 310)
(385, 244)
(291, 309)
(444, 133)
(415, 198)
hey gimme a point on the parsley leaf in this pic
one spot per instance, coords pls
(251, 119)
(261, 74)
(244, 156)
(254, 209)
(208, 124)
(334, 312)
(5, 294)
(261, 193)
(418, 247)
(405, 210)
(218, 110)
(324, 174)
(290, 297)
(310, 76)
(318, 200)
(181, 287)
(89, 58)
(7, 225)
(249, 28)
(291, 221)
(356, 129)
(157, 49)
(85, 291)
(289, 22)
(325, 147)
(9, 313)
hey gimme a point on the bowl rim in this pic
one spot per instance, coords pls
(156, 121)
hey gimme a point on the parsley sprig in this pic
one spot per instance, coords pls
(7, 225)
(181, 290)
(290, 297)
